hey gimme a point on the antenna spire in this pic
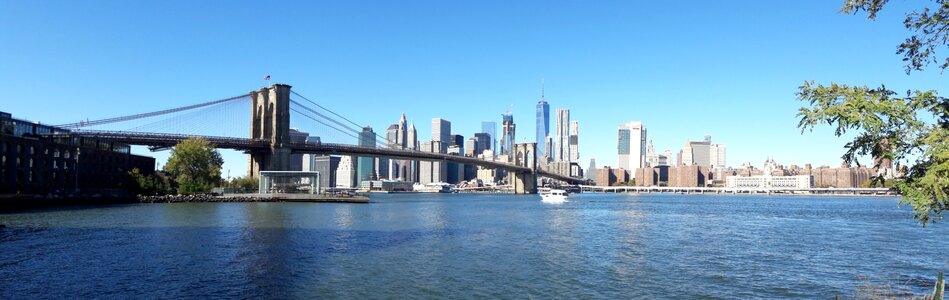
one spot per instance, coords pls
(542, 88)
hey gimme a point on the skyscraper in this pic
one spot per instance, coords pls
(483, 143)
(411, 142)
(491, 128)
(716, 156)
(543, 124)
(574, 141)
(697, 152)
(345, 172)
(365, 165)
(507, 132)
(441, 132)
(562, 136)
(590, 172)
(631, 146)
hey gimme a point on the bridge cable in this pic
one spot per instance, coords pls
(383, 140)
(324, 123)
(146, 115)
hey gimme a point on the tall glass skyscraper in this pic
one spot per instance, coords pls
(543, 125)
(365, 165)
(491, 128)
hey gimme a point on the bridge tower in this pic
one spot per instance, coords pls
(270, 120)
(525, 155)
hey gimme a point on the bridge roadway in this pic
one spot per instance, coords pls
(246, 144)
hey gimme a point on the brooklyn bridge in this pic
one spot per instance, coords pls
(269, 144)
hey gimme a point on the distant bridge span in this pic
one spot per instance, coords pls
(250, 145)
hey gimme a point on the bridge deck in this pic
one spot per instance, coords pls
(250, 145)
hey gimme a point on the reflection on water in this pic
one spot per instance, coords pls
(468, 246)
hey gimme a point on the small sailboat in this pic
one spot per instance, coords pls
(554, 196)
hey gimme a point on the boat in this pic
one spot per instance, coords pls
(434, 187)
(554, 196)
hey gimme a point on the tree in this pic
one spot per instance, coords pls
(195, 165)
(890, 126)
(246, 183)
(153, 184)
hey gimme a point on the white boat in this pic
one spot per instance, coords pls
(434, 187)
(554, 196)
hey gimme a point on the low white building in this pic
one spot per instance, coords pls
(767, 181)
(770, 182)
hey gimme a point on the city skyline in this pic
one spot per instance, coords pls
(734, 80)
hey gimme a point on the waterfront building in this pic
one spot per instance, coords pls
(562, 136)
(365, 166)
(608, 176)
(32, 163)
(631, 145)
(507, 132)
(491, 129)
(543, 125)
(574, 141)
(688, 176)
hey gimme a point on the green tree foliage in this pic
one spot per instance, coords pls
(246, 183)
(195, 165)
(154, 184)
(914, 126)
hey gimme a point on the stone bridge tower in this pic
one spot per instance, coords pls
(525, 155)
(270, 121)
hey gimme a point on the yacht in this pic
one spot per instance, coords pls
(554, 196)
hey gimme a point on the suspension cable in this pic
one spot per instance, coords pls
(146, 115)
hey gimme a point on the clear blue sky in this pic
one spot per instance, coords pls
(725, 68)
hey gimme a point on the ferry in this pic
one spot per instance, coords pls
(554, 196)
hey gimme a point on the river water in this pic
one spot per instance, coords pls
(474, 246)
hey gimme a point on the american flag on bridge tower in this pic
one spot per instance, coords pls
(267, 77)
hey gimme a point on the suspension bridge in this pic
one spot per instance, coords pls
(224, 123)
